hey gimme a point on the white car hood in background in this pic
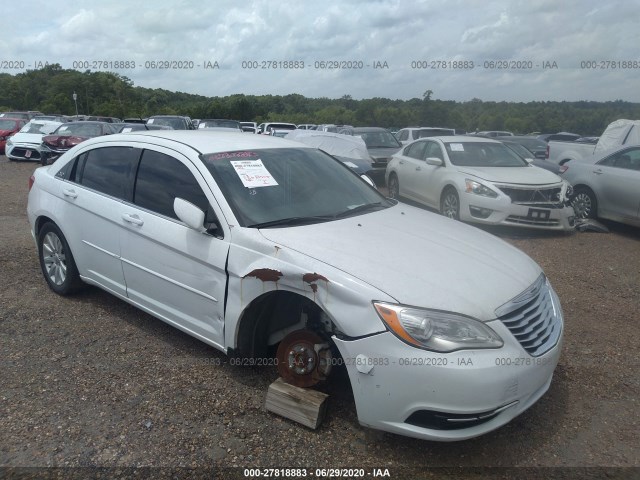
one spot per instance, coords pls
(517, 175)
(419, 258)
(35, 138)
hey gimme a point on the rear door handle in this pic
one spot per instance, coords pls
(132, 219)
(401, 162)
(69, 193)
(418, 169)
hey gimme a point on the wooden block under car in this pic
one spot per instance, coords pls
(301, 405)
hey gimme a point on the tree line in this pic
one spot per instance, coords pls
(50, 90)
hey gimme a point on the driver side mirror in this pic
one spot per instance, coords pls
(435, 161)
(189, 214)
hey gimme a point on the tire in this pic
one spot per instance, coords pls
(56, 261)
(394, 186)
(450, 204)
(584, 203)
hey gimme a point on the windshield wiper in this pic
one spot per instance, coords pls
(291, 221)
(359, 209)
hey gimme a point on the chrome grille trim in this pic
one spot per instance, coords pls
(533, 317)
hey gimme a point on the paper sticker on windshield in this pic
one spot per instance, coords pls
(253, 173)
(456, 147)
(126, 130)
(352, 165)
(62, 129)
(150, 120)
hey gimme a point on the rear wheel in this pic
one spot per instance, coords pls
(394, 186)
(56, 261)
(450, 204)
(584, 203)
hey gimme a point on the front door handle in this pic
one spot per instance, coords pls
(132, 219)
(69, 193)
(418, 169)
(598, 172)
(401, 162)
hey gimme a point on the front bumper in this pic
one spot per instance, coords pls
(24, 151)
(503, 212)
(443, 397)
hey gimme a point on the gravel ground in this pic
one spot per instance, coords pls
(90, 381)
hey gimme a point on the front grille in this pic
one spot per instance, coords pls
(533, 318)
(521, 220)
(22, 152)
(453, 421)
(533, 196)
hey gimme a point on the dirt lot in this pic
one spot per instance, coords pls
(91, 381)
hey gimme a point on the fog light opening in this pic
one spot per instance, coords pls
(479, 212)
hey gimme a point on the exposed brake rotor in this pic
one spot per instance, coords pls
(304, 359)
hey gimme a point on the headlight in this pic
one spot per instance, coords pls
(436, 330)
(479, 189)
(569, 191)
(9, 142)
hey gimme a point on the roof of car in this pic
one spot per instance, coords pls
(462, 139)
(368, 129)
(210, 141)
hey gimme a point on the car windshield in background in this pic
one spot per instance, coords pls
(219, 123)
(482, 154)
(379, 139)
(40, 128)
(519, 149)
(290, 186)
(175, 123)
(7, 124)
(434, 132)
(80, 130)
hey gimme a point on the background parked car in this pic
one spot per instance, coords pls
(409, 134)
(136, 127)
(93, 118)
(381, 145)
(479, 180)
(610, 188)
(528, 155)
(8, 127)
(177, 122)
(69, 135)
(219, 123)
(265, 128)
(26, 116)
(350, 150)
(251, 127)
(27, 143)
(536, 146)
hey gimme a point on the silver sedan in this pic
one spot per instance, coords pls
(610, 188)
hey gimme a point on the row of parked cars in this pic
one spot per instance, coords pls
(464, 177)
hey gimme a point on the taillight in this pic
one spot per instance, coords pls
(563, 168)
(546, 155)
(32, 179)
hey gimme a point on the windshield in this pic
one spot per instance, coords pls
(41, 128)
(175, 123)
(434, 132)
(219, 123)
(7, 124)
(482, 154)
(302, 185)
(79, 129)
(379, 139)
(519, 149)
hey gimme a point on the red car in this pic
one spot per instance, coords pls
(69, 135)
(9, 126)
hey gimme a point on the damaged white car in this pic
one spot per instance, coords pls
(482, 181)
(246, 242)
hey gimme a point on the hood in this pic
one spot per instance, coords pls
(27, 138)
(383, 152)
(516, 175)
(419, 258)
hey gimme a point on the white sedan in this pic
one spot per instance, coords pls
(246, 242)
(480, 180)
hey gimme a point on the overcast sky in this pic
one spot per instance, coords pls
(569, 34)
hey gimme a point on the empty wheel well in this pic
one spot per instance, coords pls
(271, 316)
(40, 221)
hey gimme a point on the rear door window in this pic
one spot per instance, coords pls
(108, 170)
